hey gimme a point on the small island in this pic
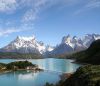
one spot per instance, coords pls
(19, 65)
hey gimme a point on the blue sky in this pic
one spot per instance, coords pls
(48, 20)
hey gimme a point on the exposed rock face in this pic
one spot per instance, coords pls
(74, 44)
(68, 45)
(26, 45)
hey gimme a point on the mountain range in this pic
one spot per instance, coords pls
(68, 45)
(90, 55)
(73, 44)
(26, 45)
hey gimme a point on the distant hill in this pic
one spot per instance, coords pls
(14, 55)
(91, 55)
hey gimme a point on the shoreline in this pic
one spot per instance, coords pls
(21, 58)
(65, 76)
(7, 71)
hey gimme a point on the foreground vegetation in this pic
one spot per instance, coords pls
(88, 75)
(13, 55)
(85, 76)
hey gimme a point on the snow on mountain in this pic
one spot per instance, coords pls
(80, 42)
(26, 45)
(68, 45)
(49, 48)
(89, 38)
(74, 44)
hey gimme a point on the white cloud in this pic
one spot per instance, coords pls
(40, 3)
(89, 5)
(31, 8)
(29, 16)
(7, 5)
(6, 32)
(35, 6)
(93, 4)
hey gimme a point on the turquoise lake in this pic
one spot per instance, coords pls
(53, 69)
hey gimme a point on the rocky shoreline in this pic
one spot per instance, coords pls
(65, 76)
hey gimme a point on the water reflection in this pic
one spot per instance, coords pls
(29, 78)
(60, 65)
(26, 76)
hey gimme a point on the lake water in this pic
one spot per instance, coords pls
(53, 68)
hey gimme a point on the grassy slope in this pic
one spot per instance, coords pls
(88, 75)
(85, 76)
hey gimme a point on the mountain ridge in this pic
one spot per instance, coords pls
(91, 55)
(26, 45)
(68, 45)
(74, 44)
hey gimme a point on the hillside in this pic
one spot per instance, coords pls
(85, 76)
(11, 55)
(91, 55)
(88, 75)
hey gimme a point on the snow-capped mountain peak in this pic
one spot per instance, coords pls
(26, 38)
(85, 41)
(74, 44)
(66, 39)
(68, 45)
(26, 45)
(49, 48)
(71, 41)
(89, 38)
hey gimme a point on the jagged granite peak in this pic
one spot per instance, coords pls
(85, 41)
(74, 44)
(89, 38)
(25, 38)
(49, 48)
(26, 45)
(62, 49)
(66, 39)
(68, 45)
